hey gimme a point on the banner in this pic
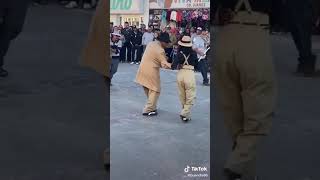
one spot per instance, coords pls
(127, 6)
(179, 4)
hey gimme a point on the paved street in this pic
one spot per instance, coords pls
(156, 148)
(52, 112)
(291, 151)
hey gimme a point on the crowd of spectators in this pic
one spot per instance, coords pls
(135, 39)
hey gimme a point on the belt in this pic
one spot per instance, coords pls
(188, 67)
(115, 57)
(248, 23)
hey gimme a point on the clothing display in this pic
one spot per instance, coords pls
(180, 18)
(173, 15)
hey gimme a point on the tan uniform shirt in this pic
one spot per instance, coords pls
(153, 59)
(96, 53)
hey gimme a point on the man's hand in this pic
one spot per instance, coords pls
(199, 51)
(166, 65)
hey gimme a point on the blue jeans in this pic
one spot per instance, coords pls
(203, 68)
(114, 66)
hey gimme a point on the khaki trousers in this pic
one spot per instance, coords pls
(187, 90)
(244, 79)
(152, 101)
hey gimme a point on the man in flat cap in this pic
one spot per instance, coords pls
(148, 75)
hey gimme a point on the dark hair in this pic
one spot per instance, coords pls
(126, 22)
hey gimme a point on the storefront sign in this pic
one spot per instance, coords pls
(127, 6)
(179, 4)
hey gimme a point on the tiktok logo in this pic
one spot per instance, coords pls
(186, 169)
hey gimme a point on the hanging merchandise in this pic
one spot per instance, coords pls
(173, 16)
(164, 19)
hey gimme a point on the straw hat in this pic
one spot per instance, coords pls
(185, 41)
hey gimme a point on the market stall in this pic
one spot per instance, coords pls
(179, 13)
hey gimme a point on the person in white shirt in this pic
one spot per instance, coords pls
(199, 46)
(147, 37)
(192, 33)
(115, 46)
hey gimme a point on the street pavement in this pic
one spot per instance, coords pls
(161, 147)
(52, 111)
(291, 152)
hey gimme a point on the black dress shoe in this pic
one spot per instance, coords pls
(107, 167)
(185, 119)
(151, 113)
(206, 84)
(3, 73)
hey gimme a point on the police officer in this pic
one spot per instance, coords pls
(186, 81)
(300, 25)
(12, 17)
(244, 80)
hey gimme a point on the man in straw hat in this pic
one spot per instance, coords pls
(148, 75)
(244, 78)
(97, 56)
(186, 81)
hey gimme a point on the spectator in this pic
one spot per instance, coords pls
(206, 37)
(187, 32)
(199, 47)
(115, 45)
(136, 41)
(147, 37)
(173, 41)
(192, 32)
(127, 46)
(111, 27)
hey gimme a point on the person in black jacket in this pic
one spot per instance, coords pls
(136, 42)
(300, 25)
(185, 61)
(125, 54)
(12, 17)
